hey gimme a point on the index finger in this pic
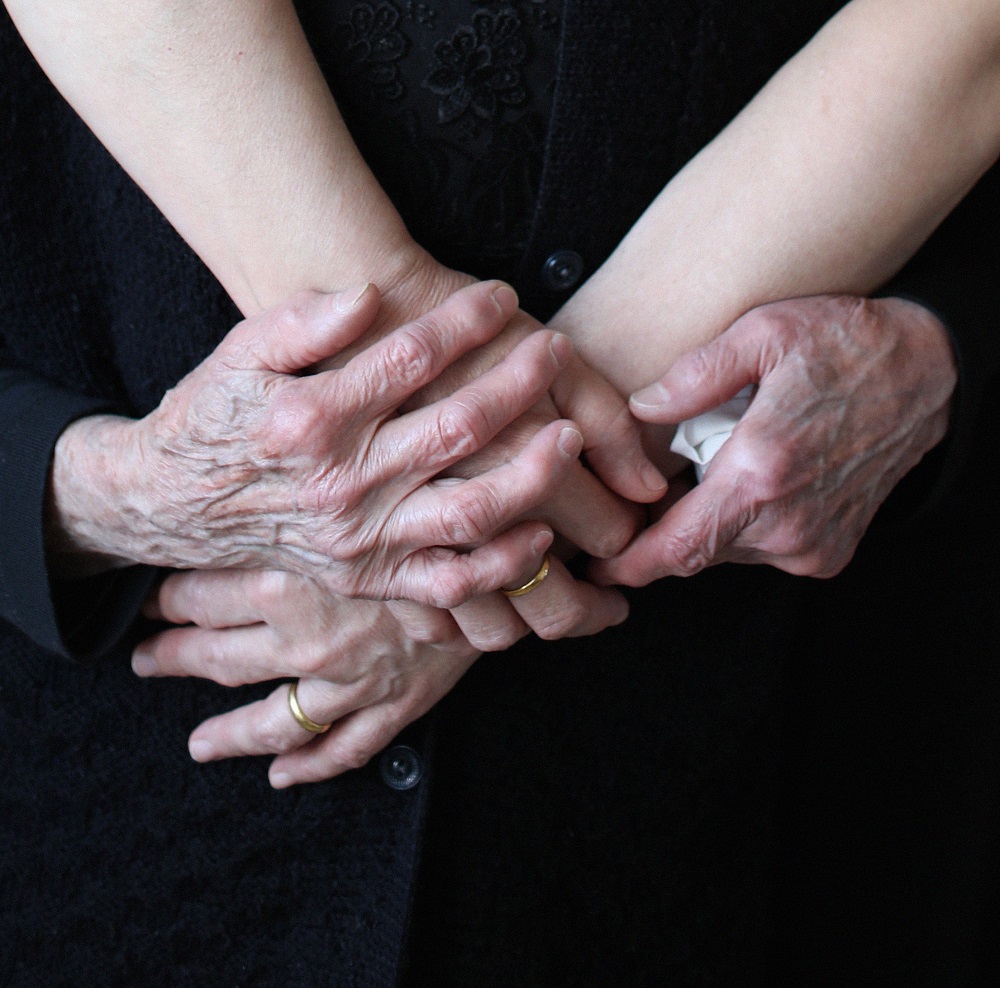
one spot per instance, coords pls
(695, 533)
(386, 374)
(612, 442)
(590, 516)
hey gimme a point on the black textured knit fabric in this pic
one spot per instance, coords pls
(123, 862)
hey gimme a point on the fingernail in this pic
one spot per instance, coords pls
(506, 299)
(652, 478)
(655, 396)
(201, 751)
(143, 664)
(561, 347)
(348, 299)
(570, 443)
(541, 542)
(280, 780)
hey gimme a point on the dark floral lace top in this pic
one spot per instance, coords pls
(449, 101)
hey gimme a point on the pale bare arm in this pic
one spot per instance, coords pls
(828, 181)
(220, 112)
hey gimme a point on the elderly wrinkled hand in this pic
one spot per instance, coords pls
(595, 509)
(592, 509)
(250, 463)
(851, 394)
(367, 668)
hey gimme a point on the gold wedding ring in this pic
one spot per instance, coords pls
(300, 718)
(543, 571)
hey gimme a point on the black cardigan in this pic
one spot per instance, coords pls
(652, 785)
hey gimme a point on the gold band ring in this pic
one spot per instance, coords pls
(300, 718)
(543, 571)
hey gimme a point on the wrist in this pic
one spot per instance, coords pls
(411, 283)
(927, 334)
(88, 496)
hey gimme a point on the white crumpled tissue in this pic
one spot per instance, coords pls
(700, 438)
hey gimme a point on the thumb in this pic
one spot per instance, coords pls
(302, 331)
(702, 379)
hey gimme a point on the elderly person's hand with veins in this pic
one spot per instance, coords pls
(368, 668)
(286, 202)
(851, 393)
(249, 463)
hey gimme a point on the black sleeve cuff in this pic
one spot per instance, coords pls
(79, 619)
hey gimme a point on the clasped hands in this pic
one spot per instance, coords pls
(286, 492)
(796, 488)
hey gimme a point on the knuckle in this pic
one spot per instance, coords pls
(829, 571)
(224, 675)
(770, 473)
(450, 588)
(270, 588)
(168, 599)
(271, 737)
(495, 638)
(622, 427)
(561, 623)
(469, 514)
(456, 428)
(291, 421)
(788, 539)
(422, 624)
(183, 599)
(696, 366)
(690, 564)
(685, 556)
(431, 630)
(309, 661)
(295, 311)
(197, 607)
(353, 753)
(614, 535)
(827, 566)
(408, 357)
(796, 566)
(768, 322)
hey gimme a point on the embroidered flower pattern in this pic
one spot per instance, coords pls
(372, 45)
(421, 13)
(450, 105)
(478, 69)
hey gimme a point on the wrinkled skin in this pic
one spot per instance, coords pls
(851, 394)
(368, 666)
(248, 463)
(371, 667)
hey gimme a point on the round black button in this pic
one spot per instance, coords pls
(400, 767)
(562, 270)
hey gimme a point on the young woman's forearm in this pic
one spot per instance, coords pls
(218, 109)
(827, 182)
